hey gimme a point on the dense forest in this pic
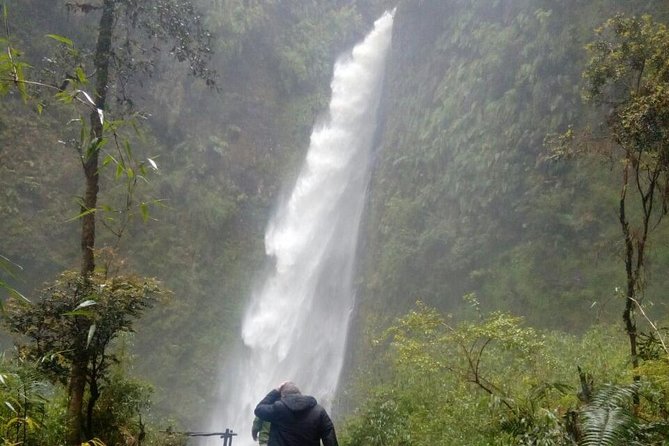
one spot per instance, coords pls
(511, 270)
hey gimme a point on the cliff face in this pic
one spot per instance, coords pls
(463, 199)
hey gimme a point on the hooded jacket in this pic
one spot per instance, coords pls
(297, 420)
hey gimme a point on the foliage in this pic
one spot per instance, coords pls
(72, 326)
(467, 383)
(118, 412)
(627, 74)
(607, 419)
(463, 198)
(496, 382)
(23, 393)
(224, 156)
(76, 315)
(7, 267)
(307, 61)
(32, 409)
(100, 144)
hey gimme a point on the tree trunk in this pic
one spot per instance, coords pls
(631, 288)
(632, 276)
(92, 399)
(76, 389)
(91, 154)
(90, 159)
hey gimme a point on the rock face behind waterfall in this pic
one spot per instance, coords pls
(461, 201)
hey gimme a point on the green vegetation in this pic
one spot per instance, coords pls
(548, 244)
(495, 381)
(452, 222)
(70, 328)
(629, 72)
(462, 196)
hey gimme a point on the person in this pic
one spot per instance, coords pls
(260, 431)
(296, 419)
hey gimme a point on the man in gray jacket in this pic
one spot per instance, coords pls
(297, 420)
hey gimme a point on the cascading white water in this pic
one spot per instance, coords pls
(296, 325)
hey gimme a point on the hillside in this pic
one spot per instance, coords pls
(466, 203)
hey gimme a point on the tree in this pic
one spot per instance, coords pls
(73, 324)
(628, 76)
(127, 30)
(175, 20)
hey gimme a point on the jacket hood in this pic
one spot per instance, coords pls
(299, 403)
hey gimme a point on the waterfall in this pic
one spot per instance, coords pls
(296, 324)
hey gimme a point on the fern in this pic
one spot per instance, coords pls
(607, 420)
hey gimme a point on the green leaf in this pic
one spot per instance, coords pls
(61, 39)
(152, 163)
(144, 209)
(108, 159)
(20, 77)
(88, 314)
(16, 294)
(86, 303)
(8, 404)
(81, 76)
(77, 217)
(128, 149)
(91, 332)
(6, 265)
(95, 145)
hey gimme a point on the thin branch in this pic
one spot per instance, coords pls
(647, 213)
(111, 229)
(659, 335)
(53, 87)
(480, 354)
(637, 178)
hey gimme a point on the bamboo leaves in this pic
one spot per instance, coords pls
(7, 267)
(62, 39)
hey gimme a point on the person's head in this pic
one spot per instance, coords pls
(289, 388)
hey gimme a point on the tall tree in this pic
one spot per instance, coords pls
(173, 20)
(127, 31)
(628, 76)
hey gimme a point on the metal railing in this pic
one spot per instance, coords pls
(226, 436)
